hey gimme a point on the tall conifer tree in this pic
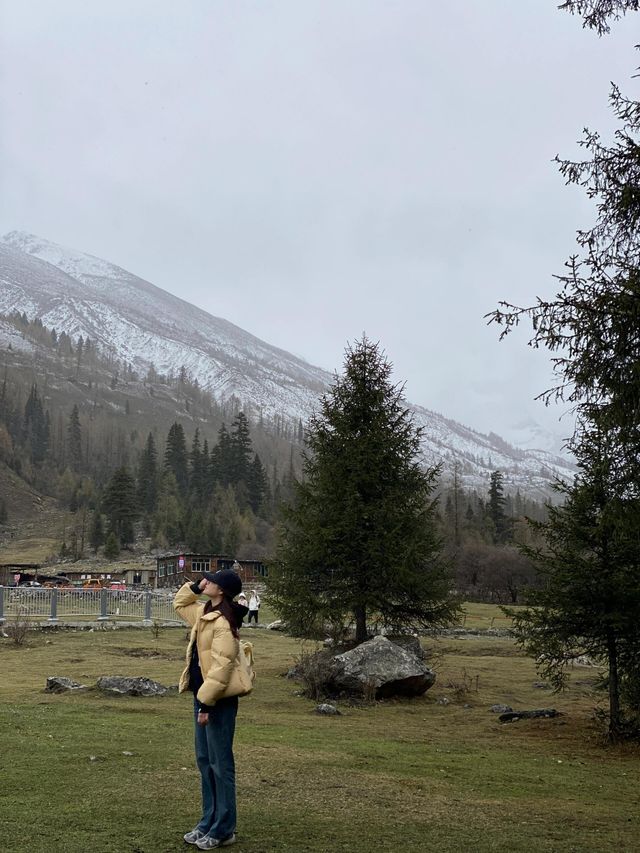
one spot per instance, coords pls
(502, 530)
(221, 458)
(148, 477)
(74, 440)
(36, 427)
(121, 506)
(241, 452)
(359, 541)
(258, 484)
(175, 457)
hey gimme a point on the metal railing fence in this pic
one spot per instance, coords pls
(102, 605)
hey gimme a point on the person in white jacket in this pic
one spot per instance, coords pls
(254, 606)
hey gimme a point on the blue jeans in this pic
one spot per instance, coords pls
(214, 756)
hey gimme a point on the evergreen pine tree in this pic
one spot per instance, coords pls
(120, 505)
(168, 520)
(207, 480)
(231, 536)
(198, 470)
(589, 599)
(221, 459)
(196, 532)
(74, 440)
(258, 485)
(502, 531)
(360, 539)
(175, 457)
(112, 547)
(240, 450)
(35, 432)
(147, 490)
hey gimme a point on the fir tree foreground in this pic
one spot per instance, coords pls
(589, 601)
(359, 542)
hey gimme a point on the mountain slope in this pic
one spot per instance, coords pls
(144, 325)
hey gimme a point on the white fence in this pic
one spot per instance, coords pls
(101, 605)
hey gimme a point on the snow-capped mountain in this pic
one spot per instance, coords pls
(144, 325)
(529, 433)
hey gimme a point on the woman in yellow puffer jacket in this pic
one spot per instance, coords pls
(213, 674)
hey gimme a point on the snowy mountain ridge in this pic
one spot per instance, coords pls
(144, 325)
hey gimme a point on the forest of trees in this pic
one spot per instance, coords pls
(483, 533)
(210, 489)
(206, 491)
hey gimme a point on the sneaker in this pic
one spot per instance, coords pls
(208, 842)
(194, 836)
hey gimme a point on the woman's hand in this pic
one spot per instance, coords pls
(203, 718)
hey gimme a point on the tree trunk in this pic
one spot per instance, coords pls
(615, 722)
(361, 623)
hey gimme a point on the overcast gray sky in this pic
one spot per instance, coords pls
(313, 169)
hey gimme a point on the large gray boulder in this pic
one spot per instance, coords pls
(381, 665)
(130, 686)
(409, 642)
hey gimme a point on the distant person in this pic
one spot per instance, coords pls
(254, 606)
(242, 599)
(212, 674)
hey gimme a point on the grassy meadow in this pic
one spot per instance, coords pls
(434, 773)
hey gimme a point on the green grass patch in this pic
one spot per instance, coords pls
(403, 774)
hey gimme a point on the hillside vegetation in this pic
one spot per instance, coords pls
(88, 447)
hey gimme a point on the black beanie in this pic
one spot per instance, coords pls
(228, 581)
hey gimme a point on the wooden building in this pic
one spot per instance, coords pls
(23, 572)
(173, 570)
(251, 571)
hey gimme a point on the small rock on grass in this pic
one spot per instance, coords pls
(130, 686)
(328, 710)
(513, 716)
(501, 709)
(61, 684)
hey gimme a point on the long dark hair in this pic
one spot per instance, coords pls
(228, 610)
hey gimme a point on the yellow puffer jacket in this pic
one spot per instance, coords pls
(218, 650)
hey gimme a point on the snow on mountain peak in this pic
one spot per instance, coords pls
(74, 263)
(143, 325)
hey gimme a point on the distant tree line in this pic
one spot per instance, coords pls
(181, 491)
(482, 536)
(206, 501)
(205, 492)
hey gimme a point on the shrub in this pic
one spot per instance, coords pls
(465, 685)
(19, 628)
(111, 547)
(315, 671)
